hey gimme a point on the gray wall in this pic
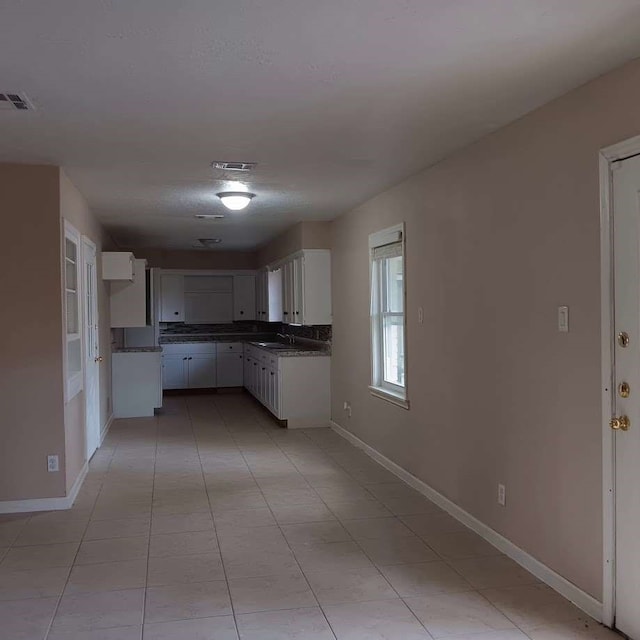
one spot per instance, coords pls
(498, 236)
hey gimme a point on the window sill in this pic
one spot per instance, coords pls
(393, 398)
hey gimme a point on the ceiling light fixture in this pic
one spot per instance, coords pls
(235, 200)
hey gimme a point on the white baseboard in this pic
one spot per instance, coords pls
(105, 428)
(46, 504)
(541, 571)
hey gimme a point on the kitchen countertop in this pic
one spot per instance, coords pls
(137, 350)
(253, 339)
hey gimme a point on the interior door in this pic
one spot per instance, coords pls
(626, 392)
(92, 348)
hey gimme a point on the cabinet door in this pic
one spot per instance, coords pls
(274, 391)
(208, 307)
(172, 298)
(128, 300)
(174, 372)
(297, 286)
(244, 297)
(287, 292)
(202, 371)
(230, 369)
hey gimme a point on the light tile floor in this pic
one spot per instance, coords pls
(211, 522)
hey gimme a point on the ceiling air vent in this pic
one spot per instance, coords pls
(15, 102)
(207, 243)
(234, 166)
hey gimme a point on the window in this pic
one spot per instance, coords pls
(388, 331)
(72, 302)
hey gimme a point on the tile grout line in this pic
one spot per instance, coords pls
(282, 532)
(153, 488)
(75, 557)
(399, 597)
(213, 520)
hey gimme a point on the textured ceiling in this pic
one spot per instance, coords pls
(335, 99)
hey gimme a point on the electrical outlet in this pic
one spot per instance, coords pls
(52, 464)
(502, 495)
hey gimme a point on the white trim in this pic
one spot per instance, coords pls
(608, 443)
(606, 157)
(569, 590)
(105, 429)
(383, 394)
(47, 504)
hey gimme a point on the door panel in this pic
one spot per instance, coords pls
(202, 371)
(92, 349)
(626, 226)
(230, 369)
(174, 371)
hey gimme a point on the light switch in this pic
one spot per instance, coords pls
(420, 315)
(563, 319)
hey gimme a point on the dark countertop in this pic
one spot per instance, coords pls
(137, 350)
(299, 349)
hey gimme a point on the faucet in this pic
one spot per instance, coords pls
(289, 337)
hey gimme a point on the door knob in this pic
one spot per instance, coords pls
(620, 424)
(98, 359)
(624, 390)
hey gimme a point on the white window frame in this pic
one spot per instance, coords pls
(74, 381)
(379, 387)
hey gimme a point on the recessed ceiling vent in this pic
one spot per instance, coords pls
(207, 243)
(15, 102)
(234, 166)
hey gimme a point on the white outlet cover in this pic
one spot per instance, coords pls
(563, 319)
(53, 464)
(502, 495)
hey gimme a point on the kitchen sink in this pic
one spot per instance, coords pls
(274, 345)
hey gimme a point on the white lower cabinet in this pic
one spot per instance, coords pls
(230, 364)
(293, 388)
(174, 371)
(189, 366)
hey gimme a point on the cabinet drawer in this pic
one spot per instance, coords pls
(189, 348)
(230, 347)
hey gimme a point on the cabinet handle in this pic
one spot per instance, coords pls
(184, 358)
(263, 368)
(176, 313)
(242, 313)
(286, 313)
(240, 357)
(190, 358)
(273, 374)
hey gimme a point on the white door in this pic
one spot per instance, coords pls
(92, 348)
(626, 399)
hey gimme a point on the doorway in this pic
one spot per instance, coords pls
(92, 348)
(620, 256)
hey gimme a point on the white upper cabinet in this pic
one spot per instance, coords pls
(244, 297)
(131, 302)
(118, 265)
(208, 299)
(306, 288)
(269, 295)
(171, 298)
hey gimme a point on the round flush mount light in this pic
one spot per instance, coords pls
(235, 200)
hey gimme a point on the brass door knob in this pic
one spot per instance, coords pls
(98, 359)
(620, 424)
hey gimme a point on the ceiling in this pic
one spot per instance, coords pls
(334, 99)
